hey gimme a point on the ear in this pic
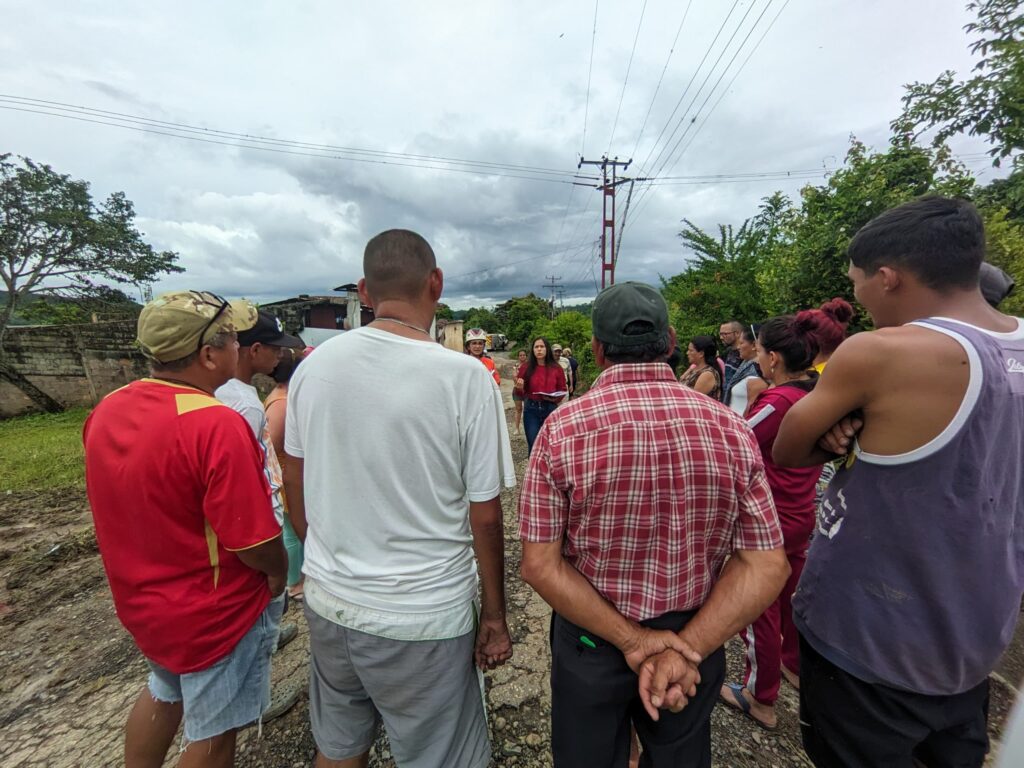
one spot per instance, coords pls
(363, 295)
(206, 358)
(891, 278)
(598, 349)
(436, 283)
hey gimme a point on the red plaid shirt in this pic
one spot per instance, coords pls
(650, 485)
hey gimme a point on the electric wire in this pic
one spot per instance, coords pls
(289, 147)
(625, 82)
(686, 90)
(657, 88)
(590, 73)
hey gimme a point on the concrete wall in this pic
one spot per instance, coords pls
(75, 364)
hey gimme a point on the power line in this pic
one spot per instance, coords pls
(590, 72)
(625, 82)
(717, 82)
(736, 75)
(686, 90)
(287, 147)
(664, 69)
(707, 77)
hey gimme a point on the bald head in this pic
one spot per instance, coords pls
(396, 265)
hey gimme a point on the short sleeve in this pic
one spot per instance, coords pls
(765, 418)
(236, 501)
(757, 523)
(482, 457)
(543, 505)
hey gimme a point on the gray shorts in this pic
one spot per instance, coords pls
(427, 692)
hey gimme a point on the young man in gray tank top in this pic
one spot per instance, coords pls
(914, 579)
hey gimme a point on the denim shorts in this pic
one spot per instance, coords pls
(231, 692)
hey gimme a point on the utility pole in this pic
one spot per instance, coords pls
(608, 213)
(553, 285)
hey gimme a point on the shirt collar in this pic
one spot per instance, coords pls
(623, 373)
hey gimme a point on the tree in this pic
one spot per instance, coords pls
(721, 281)
(991, 102)
(444, 312)
(105, 302)
(480, 317)
(519, 315)
(55, 241)
(807, 263)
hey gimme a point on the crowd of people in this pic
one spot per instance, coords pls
(660, 516)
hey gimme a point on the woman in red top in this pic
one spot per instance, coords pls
(543, 384)
(786, 349)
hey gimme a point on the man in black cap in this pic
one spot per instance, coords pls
(635, 495)
(259, 351)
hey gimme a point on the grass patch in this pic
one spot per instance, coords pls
(42, 451)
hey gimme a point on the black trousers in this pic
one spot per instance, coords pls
(847, 723)
(595, 699)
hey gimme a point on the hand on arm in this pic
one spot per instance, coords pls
(575, 599)
(825, 422)
(493, 642)
(292, 469)
(749, 583)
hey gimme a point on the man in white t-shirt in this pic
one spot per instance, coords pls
(398, 478)
(259, 351)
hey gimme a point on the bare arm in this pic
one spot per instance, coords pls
(292, 469)
(843, 390)
(275, 423)
(749, 583)
(269, 558)
(575, 599)
(705, 383)
(493, 642)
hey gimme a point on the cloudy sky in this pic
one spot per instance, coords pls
(315, 125)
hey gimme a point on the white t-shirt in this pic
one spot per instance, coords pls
(398, 437)
(244, 398)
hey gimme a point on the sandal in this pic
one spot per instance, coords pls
(739, 702)
(282, 698)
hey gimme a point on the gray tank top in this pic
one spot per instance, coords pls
(915, 575)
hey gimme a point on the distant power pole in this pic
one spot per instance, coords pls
(553, 285)
(608, 187)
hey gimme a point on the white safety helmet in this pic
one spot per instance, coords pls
(475, 334)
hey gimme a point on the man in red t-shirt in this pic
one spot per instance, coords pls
(187, 534)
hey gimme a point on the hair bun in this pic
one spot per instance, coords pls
(839, 310)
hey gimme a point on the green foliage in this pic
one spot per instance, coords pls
(721, 280)
(1005, 248)
(479, 317)
(519, 315)
(104, 303)
(444, 312)
(991, 102)
(807, 263)
(42, 451)
(55, 240)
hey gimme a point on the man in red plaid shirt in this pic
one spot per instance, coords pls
(635, 497)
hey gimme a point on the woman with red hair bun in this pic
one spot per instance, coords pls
(829, 322)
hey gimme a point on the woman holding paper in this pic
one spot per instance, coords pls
(543, 384)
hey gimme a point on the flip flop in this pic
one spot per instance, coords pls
(739, 702)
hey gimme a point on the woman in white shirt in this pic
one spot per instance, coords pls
(746, 383)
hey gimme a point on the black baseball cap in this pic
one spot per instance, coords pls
(268, 330)
(625, 303)
(995, 284)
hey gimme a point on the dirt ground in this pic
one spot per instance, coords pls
(71, 673)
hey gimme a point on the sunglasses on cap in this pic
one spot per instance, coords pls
(211, 300)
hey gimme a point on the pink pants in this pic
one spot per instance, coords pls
(772, 638)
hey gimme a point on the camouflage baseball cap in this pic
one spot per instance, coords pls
(176, 324)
